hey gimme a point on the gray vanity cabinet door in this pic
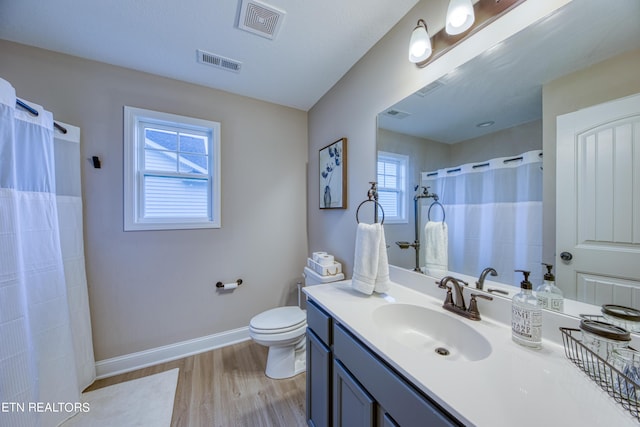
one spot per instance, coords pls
(318, 382)
(386, 420)
(352, 405)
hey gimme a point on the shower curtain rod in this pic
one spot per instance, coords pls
(35, 113)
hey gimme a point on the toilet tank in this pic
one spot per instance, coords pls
(313, 278)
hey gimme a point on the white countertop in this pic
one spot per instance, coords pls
(513, 386)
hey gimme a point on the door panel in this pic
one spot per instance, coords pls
(598, 202)
(598, 290)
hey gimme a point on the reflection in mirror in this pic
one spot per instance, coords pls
(489, 110)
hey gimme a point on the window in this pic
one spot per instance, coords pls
(392, 186)
(172, 171)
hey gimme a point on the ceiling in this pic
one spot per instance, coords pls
(504, 84)
(316, 43)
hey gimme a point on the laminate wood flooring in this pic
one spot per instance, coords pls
(227, 387)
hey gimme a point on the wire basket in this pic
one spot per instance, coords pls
(622, 388)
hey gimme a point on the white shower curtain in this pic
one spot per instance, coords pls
(41, 350)
(494, 215)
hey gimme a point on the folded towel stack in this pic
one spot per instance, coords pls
(436, 248)
(324, 264)
(371, 265)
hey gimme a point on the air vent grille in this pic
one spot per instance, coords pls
(429, 88)
(218, 61)
(260, 18)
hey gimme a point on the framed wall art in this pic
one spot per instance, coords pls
(333, 175)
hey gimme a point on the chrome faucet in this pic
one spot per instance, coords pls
(459, 307)
(483, 275)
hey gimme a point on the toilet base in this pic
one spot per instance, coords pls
(286, 361)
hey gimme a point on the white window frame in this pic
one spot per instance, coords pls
(401, 190)
(134, 219)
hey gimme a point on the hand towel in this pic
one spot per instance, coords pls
(436, 248)
(382, 277)
(371, 265)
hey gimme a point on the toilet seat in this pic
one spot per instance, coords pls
(278, 320)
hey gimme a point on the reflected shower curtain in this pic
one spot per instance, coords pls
(38, 363)
(494, 215)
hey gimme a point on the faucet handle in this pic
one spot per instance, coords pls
(473, 296)
(449, 298)
(474, 313)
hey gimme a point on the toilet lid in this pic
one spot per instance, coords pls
(278, 318)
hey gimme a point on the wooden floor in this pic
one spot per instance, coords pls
(227, 387)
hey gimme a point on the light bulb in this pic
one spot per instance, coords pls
(420, 44)
(460, 16)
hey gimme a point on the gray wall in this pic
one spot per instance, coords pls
(153, 288)
(504, 143)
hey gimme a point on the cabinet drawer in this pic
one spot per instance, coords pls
(319, 321)
(403, 402)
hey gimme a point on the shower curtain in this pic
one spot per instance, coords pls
(46, 352)
(494, 215)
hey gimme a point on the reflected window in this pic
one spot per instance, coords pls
(392, 186)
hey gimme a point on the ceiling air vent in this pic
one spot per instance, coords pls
(429, 88)
(396, 114)
(260, 18)
(218, 61)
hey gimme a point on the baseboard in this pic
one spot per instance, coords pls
(142, 359)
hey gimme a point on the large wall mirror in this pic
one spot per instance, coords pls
(491, 112)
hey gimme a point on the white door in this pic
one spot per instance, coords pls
(598, 203)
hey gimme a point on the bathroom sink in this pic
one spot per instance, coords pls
(432, 332)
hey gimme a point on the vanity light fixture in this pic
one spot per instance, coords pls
(460, 16)
(420, 44)
(463, 19)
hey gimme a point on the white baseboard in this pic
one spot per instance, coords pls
(142, 359)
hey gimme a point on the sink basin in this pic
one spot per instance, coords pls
(432, 332)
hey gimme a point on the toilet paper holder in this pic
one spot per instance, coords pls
(221, 285)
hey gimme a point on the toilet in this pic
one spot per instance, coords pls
(283, 330)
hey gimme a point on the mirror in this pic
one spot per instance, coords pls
(440, 127)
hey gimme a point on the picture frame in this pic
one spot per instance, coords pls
(333, 175)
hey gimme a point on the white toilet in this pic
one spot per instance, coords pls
(283, 330)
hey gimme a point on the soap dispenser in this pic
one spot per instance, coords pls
(548, 294)
(526, 316)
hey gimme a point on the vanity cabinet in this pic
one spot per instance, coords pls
(350, 386)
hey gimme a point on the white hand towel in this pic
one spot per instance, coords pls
(436, 248)
(382, 278)
(371, 265)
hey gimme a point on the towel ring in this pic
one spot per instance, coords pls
(378, 205)
(431, 206)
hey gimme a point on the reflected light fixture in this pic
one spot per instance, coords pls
(460, 17)
(420, 44)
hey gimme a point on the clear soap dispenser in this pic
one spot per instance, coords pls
(526, 316)
(548, 294)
